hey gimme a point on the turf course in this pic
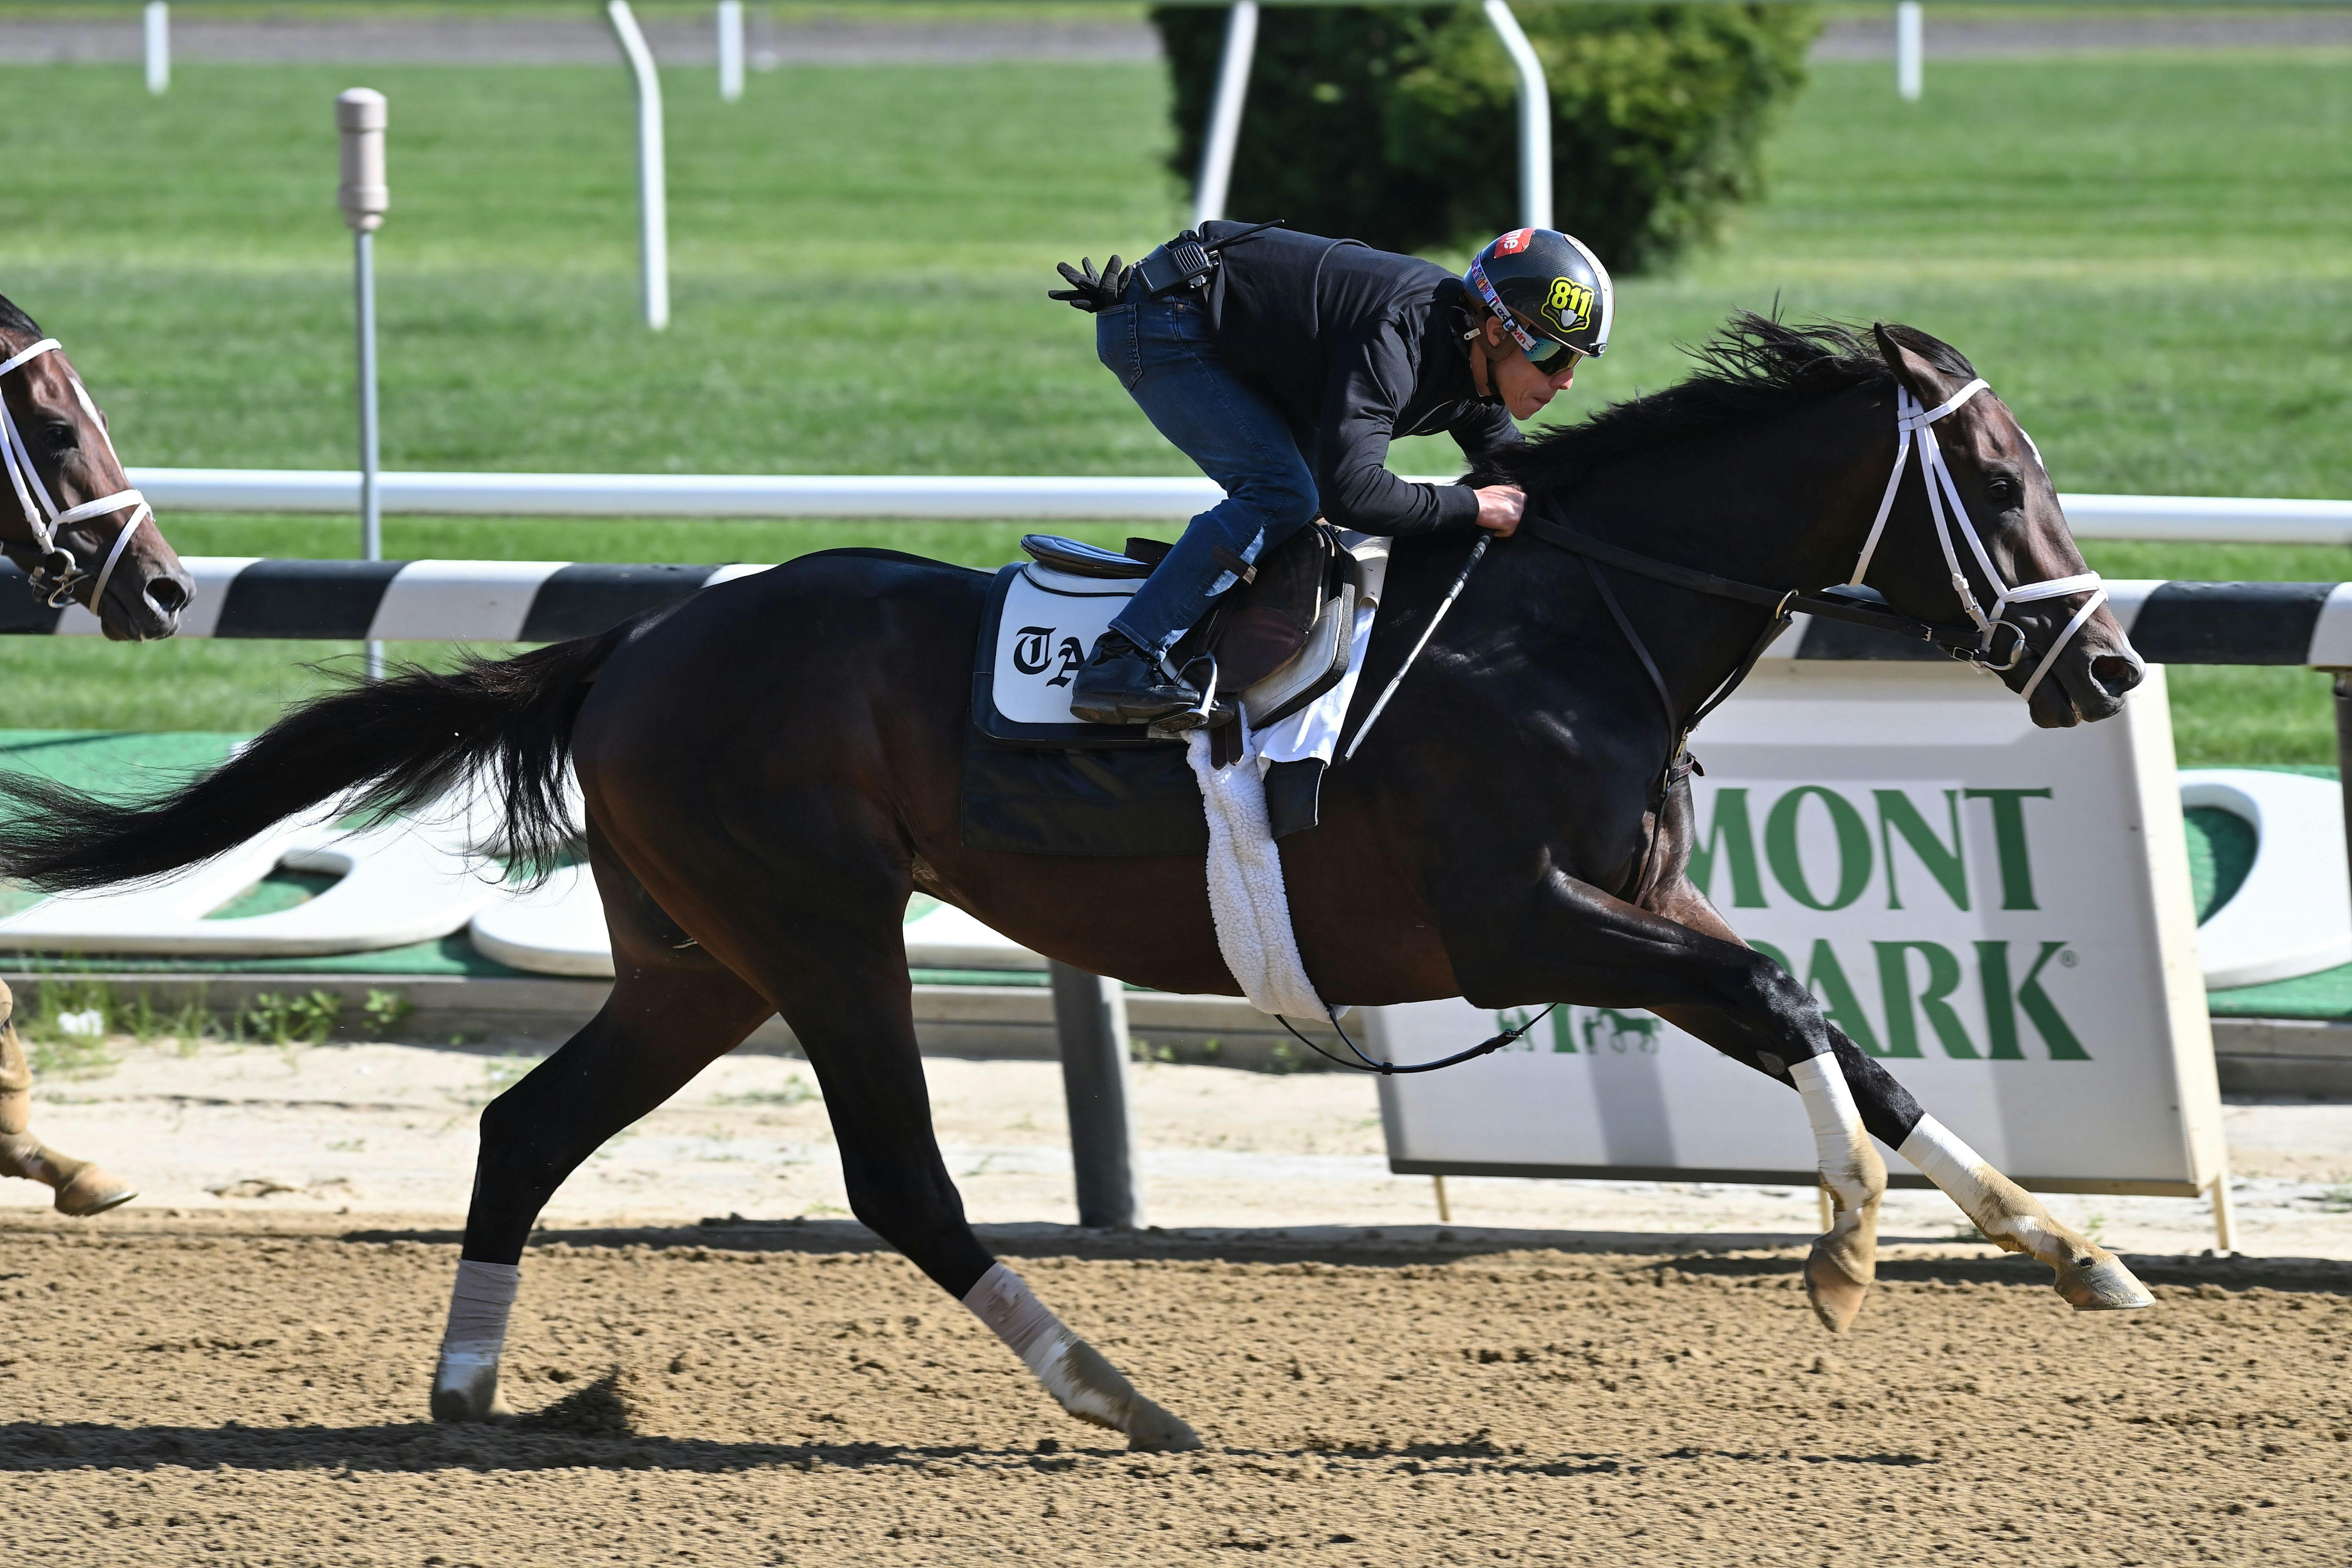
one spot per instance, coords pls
(2156, 277)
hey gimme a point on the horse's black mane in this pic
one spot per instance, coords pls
(15, 321)
(1755, 365)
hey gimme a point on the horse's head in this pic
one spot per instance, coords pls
(77, 527)
(1975, 518)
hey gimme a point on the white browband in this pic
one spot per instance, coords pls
(42, 514)
(1911, 419)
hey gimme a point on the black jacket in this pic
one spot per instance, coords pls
(1357, 346)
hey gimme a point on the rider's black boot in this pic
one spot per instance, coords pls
(1121, 684)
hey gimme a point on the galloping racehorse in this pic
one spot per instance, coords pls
(772, 768)
(79, 539)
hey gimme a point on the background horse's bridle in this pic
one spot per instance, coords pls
(59, 574)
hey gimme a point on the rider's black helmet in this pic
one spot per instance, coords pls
(1551, 292)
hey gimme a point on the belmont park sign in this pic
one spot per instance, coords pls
(2001, 913)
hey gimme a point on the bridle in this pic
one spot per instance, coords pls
(59, 574)
(1913, 424)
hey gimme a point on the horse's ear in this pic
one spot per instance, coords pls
(1929, 383)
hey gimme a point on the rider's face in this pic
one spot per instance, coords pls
(1523, 388)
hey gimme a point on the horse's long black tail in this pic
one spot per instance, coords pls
(385, 747)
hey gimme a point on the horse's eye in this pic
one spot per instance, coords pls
(62, 437)
(2002, 490)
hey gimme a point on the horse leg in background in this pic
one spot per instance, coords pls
(673, 1012)
(837, 969)
(82, 1187)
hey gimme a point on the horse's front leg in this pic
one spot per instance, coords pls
(1579, 946)
(2089, 1276)
(82, 1187)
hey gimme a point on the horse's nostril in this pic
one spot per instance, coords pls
(167, 595)
(2116, 674)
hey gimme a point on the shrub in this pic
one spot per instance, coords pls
(1399, 126)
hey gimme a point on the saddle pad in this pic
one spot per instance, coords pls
(1040, 626)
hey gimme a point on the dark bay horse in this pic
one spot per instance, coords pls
(77, 530)
(772, 767)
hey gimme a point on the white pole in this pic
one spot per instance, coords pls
(730, 50)
(1534, 118)
(1910, 49)
(653, 201)
(158, 46)
(1226, 113)
(360, 116)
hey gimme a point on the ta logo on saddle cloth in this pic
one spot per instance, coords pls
(59, 574)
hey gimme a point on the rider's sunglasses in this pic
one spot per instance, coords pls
(1552, 358)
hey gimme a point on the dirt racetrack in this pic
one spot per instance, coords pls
(249, 1389)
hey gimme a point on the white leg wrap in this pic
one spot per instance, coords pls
(1837, 1125)
(1969, 1181)
(479, 1304)
(1003, 1301)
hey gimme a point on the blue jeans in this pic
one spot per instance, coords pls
(1162, 353)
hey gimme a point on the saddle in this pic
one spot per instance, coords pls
(1037, 781)
(1281, 638)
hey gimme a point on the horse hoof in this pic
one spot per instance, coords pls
(1152, 1430)
(93, 1191)
(2100, 1283)
(469, 1396)
(1836, 1296)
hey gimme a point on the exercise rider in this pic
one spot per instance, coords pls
(1284, 364)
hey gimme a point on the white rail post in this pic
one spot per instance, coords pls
(1226, 113)
(158, 18)
(730, 50)
(1535, 117)
(360, 116)
(653, 198)
(1910, 49)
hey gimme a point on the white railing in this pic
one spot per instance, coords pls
(1024, 498)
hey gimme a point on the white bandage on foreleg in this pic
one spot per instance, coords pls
(1003, 1301)
(1965, 1178)
(1836, 1122)
(479, 1304)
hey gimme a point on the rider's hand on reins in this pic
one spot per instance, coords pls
(1500, 507)
(1089, 290)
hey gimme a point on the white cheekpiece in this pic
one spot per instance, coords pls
(1003, 1301)
(479, 1304)
(1836, 1122)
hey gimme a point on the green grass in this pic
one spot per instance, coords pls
(2153, 273)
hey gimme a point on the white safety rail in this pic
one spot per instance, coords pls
(1020, 497)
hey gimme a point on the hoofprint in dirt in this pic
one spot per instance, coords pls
(252, 1389)
(375, 1129)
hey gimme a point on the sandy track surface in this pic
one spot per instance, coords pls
(361, 1129)
(218, 1391)
(557, 40)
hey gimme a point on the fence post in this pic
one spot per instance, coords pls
(730, 50)
(1910, 49)
(158, 19)
(364, 195)
(1535, 117)
(1090, 1022)
(653, 199)
(1226, 113)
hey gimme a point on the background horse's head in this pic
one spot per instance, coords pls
(2008, 497)
(66, 446)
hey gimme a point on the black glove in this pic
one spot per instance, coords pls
(1089, 290)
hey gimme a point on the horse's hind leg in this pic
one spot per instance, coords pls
(839, 977)
(82, 1187)
(673, 1011)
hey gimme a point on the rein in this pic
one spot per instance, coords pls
(59, 574)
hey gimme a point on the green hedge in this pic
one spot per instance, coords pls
(1399, 125)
